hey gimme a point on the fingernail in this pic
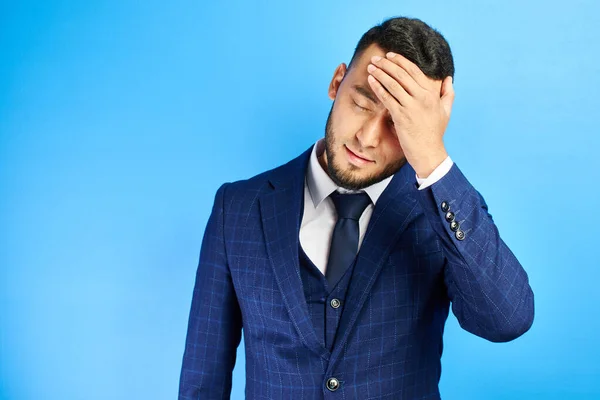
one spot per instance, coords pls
(371, 68)
(390, 55)
(371, 78)
(375, 59)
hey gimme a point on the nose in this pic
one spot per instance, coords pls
(372, 130)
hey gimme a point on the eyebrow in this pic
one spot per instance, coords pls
(367, 92)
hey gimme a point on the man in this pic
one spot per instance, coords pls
(341, 264)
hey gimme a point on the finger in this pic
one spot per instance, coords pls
(411, 68)
(383, 95)
(390, 84)
(447, 95)
(399, 74)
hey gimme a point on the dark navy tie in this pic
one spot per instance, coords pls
(344, 242)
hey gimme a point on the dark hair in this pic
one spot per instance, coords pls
(413, 39)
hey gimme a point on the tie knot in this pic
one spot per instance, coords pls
(350, 205)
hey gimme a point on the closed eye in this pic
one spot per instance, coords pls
(360, 107)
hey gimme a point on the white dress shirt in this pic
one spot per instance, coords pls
(320, 216)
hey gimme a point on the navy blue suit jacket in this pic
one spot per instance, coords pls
(410, 268)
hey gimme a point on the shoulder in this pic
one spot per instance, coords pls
(250, 187)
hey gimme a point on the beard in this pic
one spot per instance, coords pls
(347, 178)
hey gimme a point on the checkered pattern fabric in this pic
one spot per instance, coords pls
(412, 265)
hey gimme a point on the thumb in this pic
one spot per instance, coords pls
(447, 95)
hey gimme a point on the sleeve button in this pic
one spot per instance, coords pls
(445, 206)
(454, 226)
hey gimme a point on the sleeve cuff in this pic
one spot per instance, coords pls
(437, 174)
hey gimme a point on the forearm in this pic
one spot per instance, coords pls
(487, 285)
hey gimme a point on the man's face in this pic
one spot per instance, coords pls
(361, 146)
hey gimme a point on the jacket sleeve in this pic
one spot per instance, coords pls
(487, 285)
(215, 321)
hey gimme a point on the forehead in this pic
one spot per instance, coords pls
(360, 63)
(356, 78)
(357, 74)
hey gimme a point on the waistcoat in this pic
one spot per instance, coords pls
(325, 303)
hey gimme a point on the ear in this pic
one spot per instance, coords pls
(336, 81)
(447, 95)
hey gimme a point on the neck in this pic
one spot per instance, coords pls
(323, 161)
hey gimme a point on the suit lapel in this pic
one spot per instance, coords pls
(281, 210)
(396, 207)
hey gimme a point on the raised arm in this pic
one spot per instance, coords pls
(487, 285)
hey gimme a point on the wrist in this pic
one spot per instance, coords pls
(426, 165)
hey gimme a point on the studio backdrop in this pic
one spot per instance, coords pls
(120, 119)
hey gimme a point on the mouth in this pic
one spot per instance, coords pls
(356, 159)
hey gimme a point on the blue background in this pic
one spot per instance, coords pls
(119, 120)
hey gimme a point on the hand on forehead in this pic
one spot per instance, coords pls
(404, 70)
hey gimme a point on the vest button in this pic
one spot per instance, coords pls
(335, 303)
(333, 384)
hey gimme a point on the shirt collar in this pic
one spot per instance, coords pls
(320, 185)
